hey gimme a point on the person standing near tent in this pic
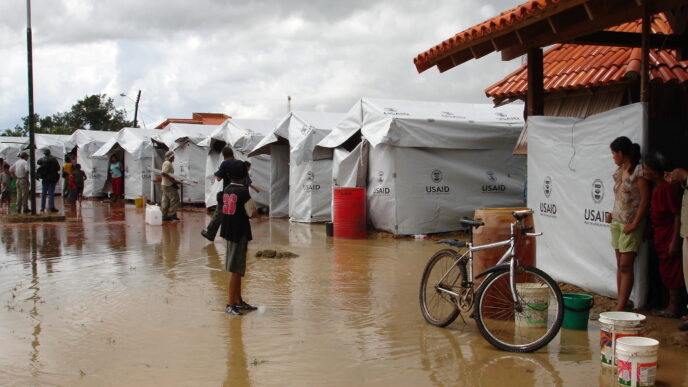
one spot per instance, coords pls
(220, 175)
(631, 201)
(78, 178)
(20, 171)
(665, 208)
(170, 193)
(49, 173)
(66, 174)
(237, 207)
(680, 175)
(5, 186)
(115, 170)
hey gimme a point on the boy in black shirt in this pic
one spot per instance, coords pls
(237, 208)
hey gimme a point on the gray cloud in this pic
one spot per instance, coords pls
(239, 58)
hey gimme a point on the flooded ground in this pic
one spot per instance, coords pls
(103, 299)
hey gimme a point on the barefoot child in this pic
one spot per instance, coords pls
(237, 208)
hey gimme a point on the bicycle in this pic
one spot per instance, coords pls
(517, 308)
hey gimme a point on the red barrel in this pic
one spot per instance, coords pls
(349, 216)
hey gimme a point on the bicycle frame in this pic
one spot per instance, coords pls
(508, 255)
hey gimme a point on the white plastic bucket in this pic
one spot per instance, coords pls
(153, 215)
(636, 359)
(536, 303)
(615, 325)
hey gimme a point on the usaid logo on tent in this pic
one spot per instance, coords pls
(306, 129)
(394, 112)
(381, 190)
(452, 116)
(493, 187)
(547, 208)
(310, 185)
(592, 216)
(504, 117)
(436, 177)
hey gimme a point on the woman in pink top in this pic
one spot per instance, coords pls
(631, 201)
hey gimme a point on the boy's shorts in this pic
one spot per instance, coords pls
(235, 260)
(627, 243)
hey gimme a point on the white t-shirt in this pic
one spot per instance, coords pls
(168, 168)
(20, 168)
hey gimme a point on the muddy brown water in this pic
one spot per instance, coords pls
(103, 299)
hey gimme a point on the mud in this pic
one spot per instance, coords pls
(103, 299)
(275, 254)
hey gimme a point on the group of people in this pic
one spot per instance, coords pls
(647, 195)
(73, 181)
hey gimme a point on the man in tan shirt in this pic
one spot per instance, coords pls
(170, 192)
(680, 175)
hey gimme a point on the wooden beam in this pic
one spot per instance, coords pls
(614, 13)
(631, 39)
(535, 101)
(645, 62)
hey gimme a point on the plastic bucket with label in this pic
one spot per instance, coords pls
(535, 305)
(576, 311)
(636, 359)
(615, 325)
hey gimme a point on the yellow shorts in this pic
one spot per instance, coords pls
(627, 243)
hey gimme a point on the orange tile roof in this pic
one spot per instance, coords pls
(571, 66)
(530, 9)
(197, 118)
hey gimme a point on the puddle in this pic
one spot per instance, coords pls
(103, 299)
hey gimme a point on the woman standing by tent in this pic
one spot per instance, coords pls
(631, 201)
(115, 171)
(665, 208)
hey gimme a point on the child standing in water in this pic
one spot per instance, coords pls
(78, 178)
(237, 208)
(248, 182)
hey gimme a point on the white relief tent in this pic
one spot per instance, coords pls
(86, 143)
(134, 147)
(427, 164)
(301, 176)
(570, 187)
(242, 135)
(11, 147)
(190, 157)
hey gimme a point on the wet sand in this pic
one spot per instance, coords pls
(102, 299)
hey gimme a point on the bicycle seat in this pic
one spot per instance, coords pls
(452, 242)
(468, 222)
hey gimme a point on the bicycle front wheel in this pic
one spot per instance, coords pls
(442, 272)
(523, 326)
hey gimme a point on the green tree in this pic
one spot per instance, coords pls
(95, 112)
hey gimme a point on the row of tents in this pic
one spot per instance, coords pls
(424, 164)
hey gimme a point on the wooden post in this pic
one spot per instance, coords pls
(536, 94)
(645, 48)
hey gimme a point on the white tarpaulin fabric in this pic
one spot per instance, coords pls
(87, 142)
(242, 136)
(11, 147)
(430, 163)
(310, 167)
(190, 156)
(570, 187)
(135, 148)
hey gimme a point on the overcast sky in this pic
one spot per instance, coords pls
(240, 58)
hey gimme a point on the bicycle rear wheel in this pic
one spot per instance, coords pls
(524, 326)
(441, 272)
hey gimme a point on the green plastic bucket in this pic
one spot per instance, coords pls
(576, 311)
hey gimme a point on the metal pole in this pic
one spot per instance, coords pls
(136, 110)
(32, 143)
